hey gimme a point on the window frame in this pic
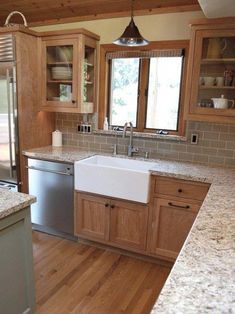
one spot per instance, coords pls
(143, 79)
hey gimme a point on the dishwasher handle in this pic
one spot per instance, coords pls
(50, 171)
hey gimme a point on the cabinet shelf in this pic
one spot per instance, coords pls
(217, 87)
(217, 61)
(60, 81)
(60, 63)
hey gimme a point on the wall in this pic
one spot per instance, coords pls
(216, 145)
(153, 27)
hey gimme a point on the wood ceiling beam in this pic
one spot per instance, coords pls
(108, 15)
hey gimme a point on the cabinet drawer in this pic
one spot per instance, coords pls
(181, 188)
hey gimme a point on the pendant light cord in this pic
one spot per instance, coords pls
(132, 8)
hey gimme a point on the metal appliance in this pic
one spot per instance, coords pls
(9, 150)
(53, 185)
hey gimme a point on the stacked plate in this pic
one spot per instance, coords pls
(61, 73)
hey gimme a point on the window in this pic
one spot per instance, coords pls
(144, 86)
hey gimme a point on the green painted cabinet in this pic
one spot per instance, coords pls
(16, 264)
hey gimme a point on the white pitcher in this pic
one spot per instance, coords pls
(222, 103)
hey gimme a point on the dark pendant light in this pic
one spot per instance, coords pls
(131, 36)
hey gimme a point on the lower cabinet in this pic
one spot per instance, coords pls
(171, 222)
(128, 224)
(92, 216)
(17, 293)
(111, 221)
(158, 229)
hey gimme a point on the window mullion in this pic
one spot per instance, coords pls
(143, 85)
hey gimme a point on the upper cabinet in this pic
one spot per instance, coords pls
(211, 76)
(68, 68)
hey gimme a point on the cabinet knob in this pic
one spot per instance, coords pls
(74, 101)
(106, 205)
(112, 206)
(180, 190)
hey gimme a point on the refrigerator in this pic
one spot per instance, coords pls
(9, 148)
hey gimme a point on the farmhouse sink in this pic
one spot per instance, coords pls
(116, 177)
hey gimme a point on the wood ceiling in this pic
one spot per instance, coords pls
(42, 12)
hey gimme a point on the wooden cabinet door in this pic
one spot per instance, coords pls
(171, 223)
(59, 74)
(92, 216)
(210, 73)
(128, 224)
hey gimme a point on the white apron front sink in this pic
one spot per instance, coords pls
(116, 177)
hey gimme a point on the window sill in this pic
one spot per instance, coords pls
(145, 135)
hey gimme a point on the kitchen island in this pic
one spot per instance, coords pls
(201, 280)
(16, 262)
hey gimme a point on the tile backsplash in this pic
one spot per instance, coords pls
(216, 143)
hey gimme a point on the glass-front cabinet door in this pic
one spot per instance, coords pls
(60, 77)
(69, 72)
(213, 74)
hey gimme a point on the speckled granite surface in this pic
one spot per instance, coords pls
(202, 279)
(11, 202)
(63, 154)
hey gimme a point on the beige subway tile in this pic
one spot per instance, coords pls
(100, 139)
(111, 140)
(225, 153)
(230, 145)
(166, 146)
(191, 125)
(107, 148)
(194, 149)
(179, 147)
(215, 160)
(171, 155)
(200, 158)
(230, 162)
(218, 144)
(211, 136)
(232, 129)
(123, 141)
(209, 151)
(94, 146)
(220, 128)
(185, 156)
(205, 127)
(226, 137)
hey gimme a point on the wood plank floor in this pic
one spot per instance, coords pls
(77, 278)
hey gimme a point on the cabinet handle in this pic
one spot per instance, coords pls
(106, 205)
(112, 206)
(180, 190)
(179, 206)
(74, 101)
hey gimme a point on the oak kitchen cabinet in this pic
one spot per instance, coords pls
(115, 222)
(173, 209)
(211, 70)
(69, 71)
(32, 127)
(157, 229)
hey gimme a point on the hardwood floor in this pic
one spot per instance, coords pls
(77, 278)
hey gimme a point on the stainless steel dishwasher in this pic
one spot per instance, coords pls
(53, 185)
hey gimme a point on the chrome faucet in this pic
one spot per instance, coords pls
(115, 151)
(130, 150)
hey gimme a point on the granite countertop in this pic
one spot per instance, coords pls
(62, 154)
(202, 278)
(11, 202)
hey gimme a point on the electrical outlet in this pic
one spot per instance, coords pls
(194, 138)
